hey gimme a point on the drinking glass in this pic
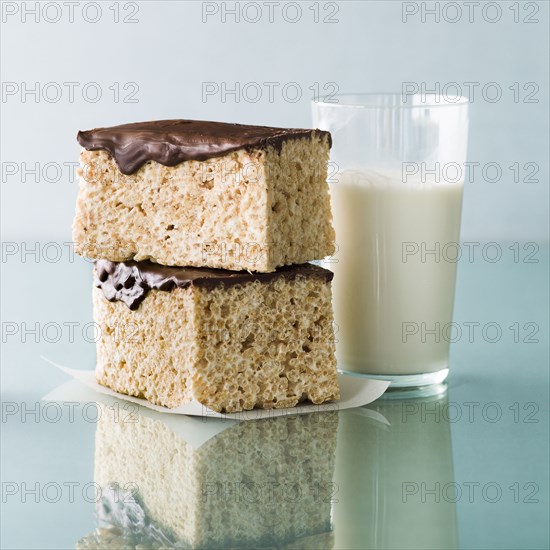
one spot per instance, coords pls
(396, 180)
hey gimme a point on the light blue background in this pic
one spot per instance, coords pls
(170, 52)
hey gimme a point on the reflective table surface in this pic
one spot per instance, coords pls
(468, 468)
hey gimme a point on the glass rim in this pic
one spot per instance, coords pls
(429, 101)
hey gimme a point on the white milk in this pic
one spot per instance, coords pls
(384, 289)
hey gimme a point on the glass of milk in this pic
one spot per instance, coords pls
(396, 180)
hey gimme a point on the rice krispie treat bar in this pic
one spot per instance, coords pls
(258, 484)
(229, 340)
(211, 194)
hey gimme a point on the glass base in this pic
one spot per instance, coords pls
(405, 386)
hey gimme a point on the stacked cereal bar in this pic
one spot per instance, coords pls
(201, 232)
(204, 194)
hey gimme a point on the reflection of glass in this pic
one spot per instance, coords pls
(385, 474)
(264, 482)
(396, 199)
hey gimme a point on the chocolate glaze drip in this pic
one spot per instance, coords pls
(170, 142)
(129, 282)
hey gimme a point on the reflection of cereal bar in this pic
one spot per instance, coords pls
(229, 340)
(205, 194)
(261, 484)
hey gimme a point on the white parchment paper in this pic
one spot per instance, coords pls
(354, 392)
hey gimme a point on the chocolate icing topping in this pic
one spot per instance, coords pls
(129, 282)
(170, 142)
